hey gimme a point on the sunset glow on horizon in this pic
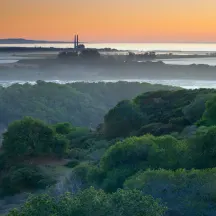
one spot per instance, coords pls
(110, 21)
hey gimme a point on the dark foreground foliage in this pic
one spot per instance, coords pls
(92, 202)
(158, 113)
(160, 145)
(24, 177)
(185, 192)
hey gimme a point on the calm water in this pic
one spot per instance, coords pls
(178, 47)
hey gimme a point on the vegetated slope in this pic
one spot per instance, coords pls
(128, 172)
(159, 112)
(82, 104)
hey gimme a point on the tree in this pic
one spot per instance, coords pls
(185, 192)
(131, 151)
(209, 116)
(202, 148)
(23, 178)
(90, 54)
(42, 205)
(194, 111)
(94, 203)
(133, 202)
(123, 119)
(60, 145)
(63, 128)
(27, 137)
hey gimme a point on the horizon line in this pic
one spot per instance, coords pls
(98, 42)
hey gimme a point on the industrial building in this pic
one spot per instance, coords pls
(78, 46)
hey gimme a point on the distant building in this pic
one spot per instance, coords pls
(78, 46)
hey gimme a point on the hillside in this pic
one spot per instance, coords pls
(81, 104)
(157, 113)
(154, 155)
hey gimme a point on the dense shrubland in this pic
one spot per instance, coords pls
(82, 104)
(185, 192)
(160, 145)
(159, 112)
(93, 202)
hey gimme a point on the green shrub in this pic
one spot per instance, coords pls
(82, 172)
(123, 119)
(88, 174)
(195, 110)
(63, 128)
(27, 137)
(157, 129)
(170, 153)
(130, 151)
(169, 111)
(146, 151)
(186, 192)
(115, 178)
(202, 148)
(209, 116)
(78, 137)
(23, 178)
(92, 202)
(60, 145)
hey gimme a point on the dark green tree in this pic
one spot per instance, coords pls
(91, 202)
(27, 137)
(60, 145)
(63, 128)
(123, 119)
(209, 116)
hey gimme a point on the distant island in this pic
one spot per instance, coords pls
(26, 41)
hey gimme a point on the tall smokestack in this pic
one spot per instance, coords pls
(75, 42)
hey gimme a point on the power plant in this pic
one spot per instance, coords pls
(73, 52)
(76, 43)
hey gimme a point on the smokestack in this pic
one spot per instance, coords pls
(75, 42)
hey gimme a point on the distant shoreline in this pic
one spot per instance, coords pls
(44, 49)
(180, 48)
(26, 41)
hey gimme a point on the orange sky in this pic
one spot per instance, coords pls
(110, 20)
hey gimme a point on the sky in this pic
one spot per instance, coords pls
(110, 20)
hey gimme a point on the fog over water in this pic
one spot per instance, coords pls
(178, 48)
(175, 48)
